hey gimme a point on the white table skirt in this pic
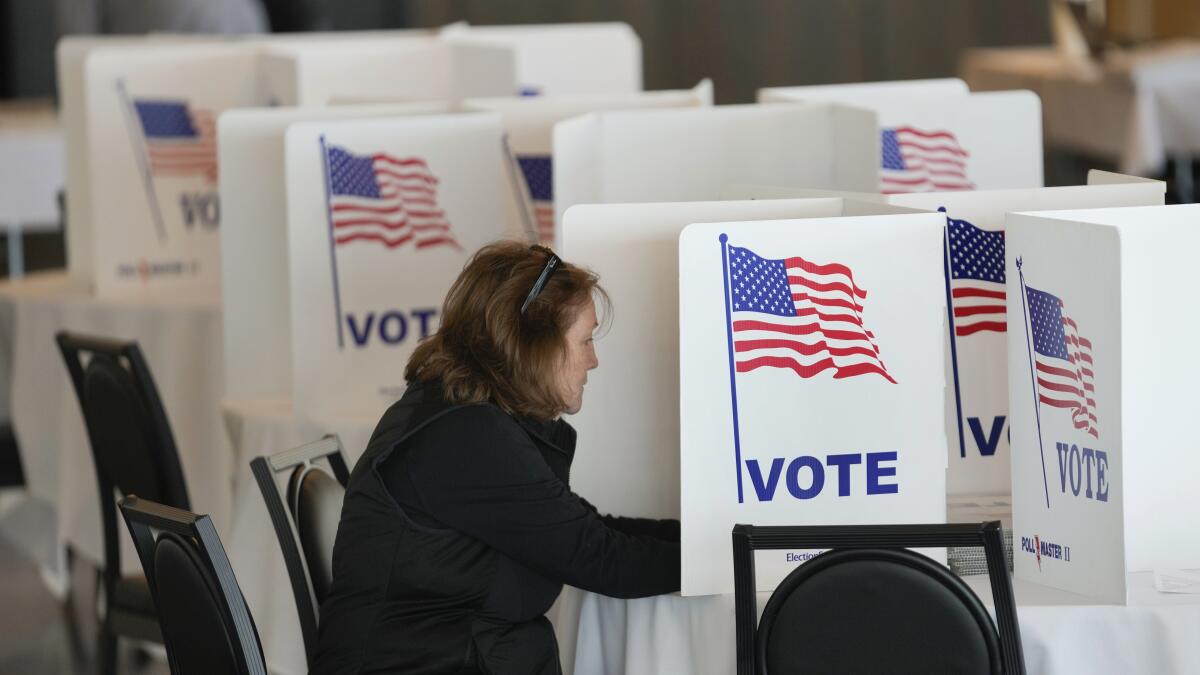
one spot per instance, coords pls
(1062, 633)
(181, 340)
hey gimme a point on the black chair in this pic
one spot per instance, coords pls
(867, 605)
(307, 522)
(134, 453)
(206, 626)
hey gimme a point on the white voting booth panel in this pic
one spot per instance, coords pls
(69, 57)
(690, 154)
(382, 216)
(866, 92)
(410, 68)
(939, 138)
(150, 114)
(31, 174)
(1103, 460)
(976, 334)
(254, 261)
(633, 467)
(585, 58)
(810, 382)
(529, 123)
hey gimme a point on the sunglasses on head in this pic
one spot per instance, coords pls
(552, 263)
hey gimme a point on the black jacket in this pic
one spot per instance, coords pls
(457, 533)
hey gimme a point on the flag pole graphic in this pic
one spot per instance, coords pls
(962, 443)
(1037, 407)
(139, 139)
(337, 294)
(520, 191)
(737, 438)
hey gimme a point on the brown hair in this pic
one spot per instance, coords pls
(486, 349)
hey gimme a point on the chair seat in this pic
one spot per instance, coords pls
(132, 610)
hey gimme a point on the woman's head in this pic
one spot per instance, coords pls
(531, 363)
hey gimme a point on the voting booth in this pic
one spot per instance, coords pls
(529, 123)
(254, 265)
(559, 59)
(633, 467)
(935, 136)
(150, 113)
(396, 69)
(1103, 472)
(382, 216)
(810, 382)
(977, 324)
(690, 154)
(71, 55)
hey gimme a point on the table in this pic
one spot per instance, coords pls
(1061, 632)
(1136, 107)
(31, 173)
(181, 339)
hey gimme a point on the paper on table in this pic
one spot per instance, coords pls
(1177, 581)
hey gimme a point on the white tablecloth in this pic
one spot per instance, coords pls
(265, 426)
(181, 340)
(1136, 107)
(31, 164)
(1062, 633)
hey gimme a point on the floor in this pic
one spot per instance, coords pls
(39, 635)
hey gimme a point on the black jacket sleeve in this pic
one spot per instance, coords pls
(661, 528)
(478, 472)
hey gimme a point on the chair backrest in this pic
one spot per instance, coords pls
(132, 445)
(306, 521)
(869, 605)
(206, 626)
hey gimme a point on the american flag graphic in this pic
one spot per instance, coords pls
(539, 177)
(1063, 361)
(385, 200)
(803, 316)
(977, 289)
(915, 160)
(180, 140)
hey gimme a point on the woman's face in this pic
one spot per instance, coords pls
(580, 357)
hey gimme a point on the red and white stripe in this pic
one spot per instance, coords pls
(1071, 387)
(543, 215)
(187, 156)
(978, 306)
(826, 333)
(933, 160)
(407, 211)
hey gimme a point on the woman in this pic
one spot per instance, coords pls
(459, 529)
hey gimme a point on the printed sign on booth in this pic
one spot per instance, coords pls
(255, 304)
(1066, 393)
(978, 321)
(810, 381)
(382, 215)
(1100, 402)
(633, 467)
(151, 115)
